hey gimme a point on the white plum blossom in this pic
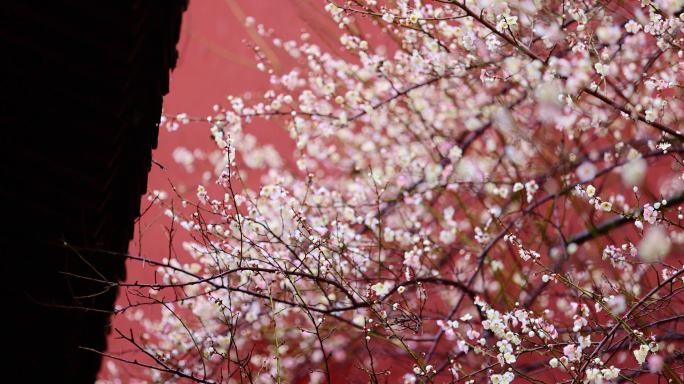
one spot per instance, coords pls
(591, 190)
(632, 26)
(553, 363)
(602, 69)
(655, 245)
(606, 206)
(505, 378)
(641, 353)
(382, 288)
(586, 171)
(447, 236)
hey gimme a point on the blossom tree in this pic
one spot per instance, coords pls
(480, 191)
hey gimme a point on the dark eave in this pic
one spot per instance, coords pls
(81, 95)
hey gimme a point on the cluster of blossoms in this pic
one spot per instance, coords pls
(432, 223)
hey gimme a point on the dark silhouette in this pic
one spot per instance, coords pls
(82, 87)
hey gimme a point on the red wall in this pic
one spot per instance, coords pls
(215, 60)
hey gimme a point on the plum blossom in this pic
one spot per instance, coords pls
(572, 352)
(382, 288)
(505, 378)
(650, 214)
(641, 353)
(586, 171)
(655, 245)
(633, 172)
